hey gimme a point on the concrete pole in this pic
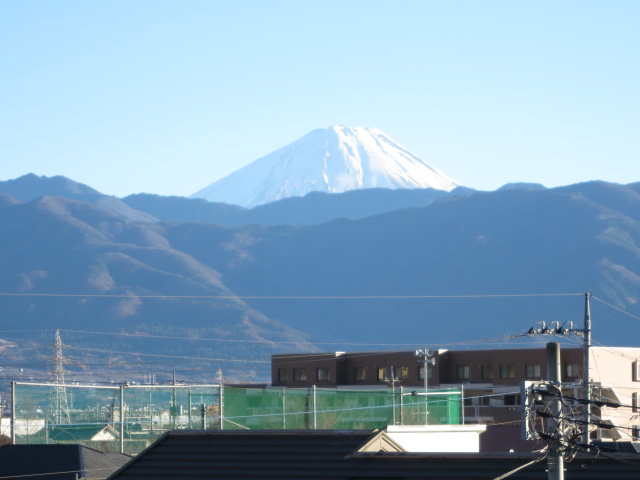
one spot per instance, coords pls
(425, 373)
(555, 461)
(586, 385)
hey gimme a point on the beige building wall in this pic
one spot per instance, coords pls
(614, 373)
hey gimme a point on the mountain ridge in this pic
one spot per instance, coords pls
(312, 208)
(31, 186)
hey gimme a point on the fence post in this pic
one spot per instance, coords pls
(315, 410)
(462, 404)
(401, 406)
(174, 401)
(221, 406)
(13, 412)
(284, 411)
(150, 414)
(393, 403)
(121, 418)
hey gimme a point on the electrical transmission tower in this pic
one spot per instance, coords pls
(58, 405)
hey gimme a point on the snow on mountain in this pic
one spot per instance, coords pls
(334, 160)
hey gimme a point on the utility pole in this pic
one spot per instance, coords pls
(555, 461)
(425, 374)
(585, 333)
(586, 381)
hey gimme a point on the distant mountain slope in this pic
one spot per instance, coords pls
(515, 241)
(313, 208)
(117, 273)
(31, 186)
(420, 275)
(182, 209)
(334, 160)
(620, 198)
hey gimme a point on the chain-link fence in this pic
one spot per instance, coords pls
(128, 418)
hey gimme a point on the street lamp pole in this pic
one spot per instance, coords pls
(428, 357)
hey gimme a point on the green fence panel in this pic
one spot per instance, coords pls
(91, 415)
(335, 409)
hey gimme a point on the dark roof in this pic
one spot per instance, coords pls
(325, 455)
(62, 460)
(253, 452)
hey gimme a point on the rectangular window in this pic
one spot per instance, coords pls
(322, 374)
(429, 372)
(507, 370)
(512, 399)
(635, 373)
(359, 374)
(282, 375)
(571, 370)
(532, 370)
(635, 402)
(486, 372)
(463, 372)
(400, 374)
(382, 374)
(299, 374)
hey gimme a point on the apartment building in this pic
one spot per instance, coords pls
(489, 378)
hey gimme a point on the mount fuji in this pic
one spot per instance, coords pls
(333, 160)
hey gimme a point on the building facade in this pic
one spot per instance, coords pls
(490, 379)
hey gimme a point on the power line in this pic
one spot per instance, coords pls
(168, 356)
(616, 308)
(289, 297)
(581, 401)
(170, 337)
(142, 336)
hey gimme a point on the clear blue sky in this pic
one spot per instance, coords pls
(167, 97)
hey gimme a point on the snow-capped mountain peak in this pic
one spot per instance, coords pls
(334, 160)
